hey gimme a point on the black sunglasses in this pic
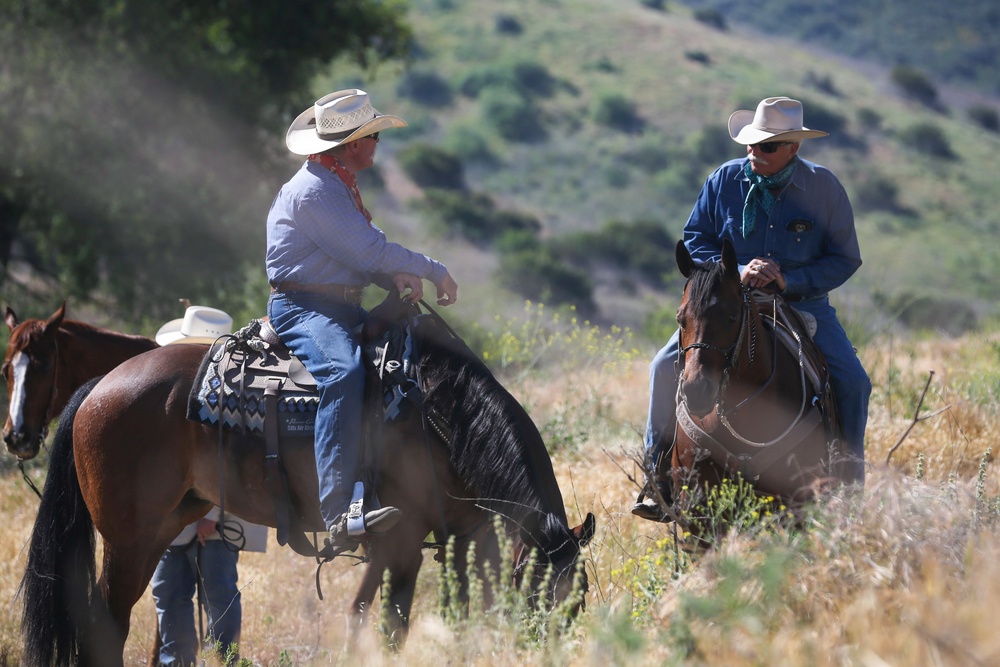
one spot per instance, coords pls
(374, 135)
(771, 146)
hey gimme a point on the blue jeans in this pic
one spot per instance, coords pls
(850, 382)
(321, 333)
(174, 582)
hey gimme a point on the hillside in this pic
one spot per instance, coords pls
(954, 42)
(621, 115)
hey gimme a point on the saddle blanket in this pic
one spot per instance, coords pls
(229, 388)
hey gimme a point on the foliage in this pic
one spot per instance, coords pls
(472, 216)
(929, 139)
(956, 45)
(711, 17)
(926, 313)
(528, 77)
(915, 84)
(643, 246)
(985, 117)
(428, 88)
(535, 272)
(553, 340)
(616, 111)
(144, 114)
(513, 116)
(432, 167)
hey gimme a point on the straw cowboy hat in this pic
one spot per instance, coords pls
(776, 119)
(200, 324)
(336, 119)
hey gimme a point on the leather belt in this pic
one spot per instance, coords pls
(352, 294)
(795, 298)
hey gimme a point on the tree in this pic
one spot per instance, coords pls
(134, 157)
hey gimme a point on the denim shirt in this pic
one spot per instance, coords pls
(315, 234)
(810, 231)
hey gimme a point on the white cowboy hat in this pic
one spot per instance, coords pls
(200, 324)
(336, 119)
(776, 119)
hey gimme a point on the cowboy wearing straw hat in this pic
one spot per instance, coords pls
(793, 228)
(322, 251)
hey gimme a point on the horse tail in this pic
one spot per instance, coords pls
(59, 582)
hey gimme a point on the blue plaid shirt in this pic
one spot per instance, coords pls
(809, 232)
(316, 235)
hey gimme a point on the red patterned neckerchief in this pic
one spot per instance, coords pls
(347, 177)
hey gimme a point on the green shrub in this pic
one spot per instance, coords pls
(432, 167)
(540, 275)
(985, 117)
(915, 84)
(467, 142)
(514, 117)
(508, 25)
(472, 216)
(616, 111)
(644, 246)
(876, 193)
(711, 17)
(927, 313)
(528, 77)
(929, 139)
(426, 88)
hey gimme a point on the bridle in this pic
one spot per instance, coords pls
(731, 353)
(732, 358)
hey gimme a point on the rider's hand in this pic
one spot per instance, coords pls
(412, 282)
(447, 291)
(761, 272)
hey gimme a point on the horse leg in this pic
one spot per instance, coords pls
(399, 553)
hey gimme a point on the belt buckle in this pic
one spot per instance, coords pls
(354, 294)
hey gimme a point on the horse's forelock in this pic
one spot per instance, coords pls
(704, 282)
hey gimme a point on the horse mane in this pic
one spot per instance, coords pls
(704, 281)
(29, 330)
(496, 447)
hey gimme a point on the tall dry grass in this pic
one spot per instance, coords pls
(904, 573)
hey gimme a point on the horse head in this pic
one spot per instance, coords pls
(711, 321)
(557, 551)
(29, 368)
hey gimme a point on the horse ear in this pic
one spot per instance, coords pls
(684, 261)
(11, 319)
(56, 320)
(729, 261)
(585, 531)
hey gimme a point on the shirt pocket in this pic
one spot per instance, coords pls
(801, 242)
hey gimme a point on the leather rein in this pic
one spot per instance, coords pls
(732, 355)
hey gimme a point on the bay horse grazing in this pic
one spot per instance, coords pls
(746, 402)
(46, 361)
(127, 461)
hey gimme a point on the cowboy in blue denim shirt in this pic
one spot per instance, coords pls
(322, 250)
(792, 226)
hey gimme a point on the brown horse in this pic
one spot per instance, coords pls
(745, 402)
(127, 461)
(46, 361)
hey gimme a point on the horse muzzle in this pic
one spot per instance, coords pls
(23, 445)
(700, 396)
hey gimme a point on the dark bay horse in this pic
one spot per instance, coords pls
(46, 361)
(745, 401)
(127, 461)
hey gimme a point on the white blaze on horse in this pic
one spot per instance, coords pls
(45, 362)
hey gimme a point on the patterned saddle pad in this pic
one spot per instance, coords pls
(229, 388)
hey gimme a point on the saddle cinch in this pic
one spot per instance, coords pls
(250, 382)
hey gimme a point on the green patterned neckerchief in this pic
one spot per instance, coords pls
(760, 188)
